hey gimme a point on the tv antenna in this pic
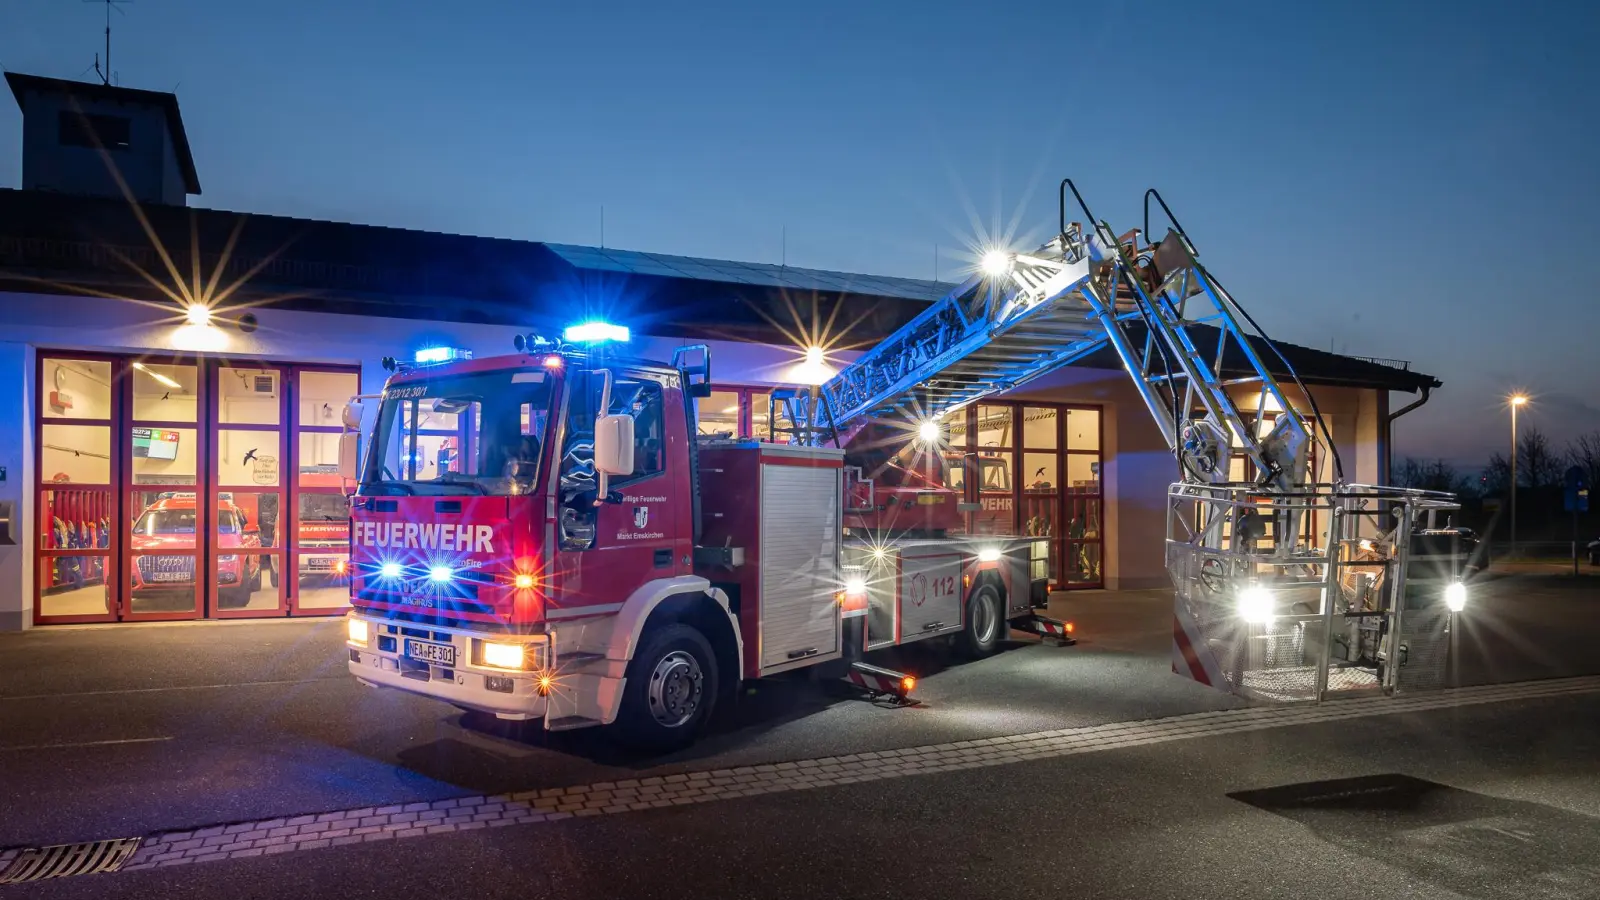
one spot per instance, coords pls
(105, 75)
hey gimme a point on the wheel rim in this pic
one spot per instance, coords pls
(675, 686)
(983, 618)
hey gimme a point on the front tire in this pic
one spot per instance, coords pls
(670, 692)
(981, 636)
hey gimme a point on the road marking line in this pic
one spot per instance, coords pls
(148, 740)
(404, 820)
(181, 687)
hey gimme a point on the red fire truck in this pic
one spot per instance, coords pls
(581, 556)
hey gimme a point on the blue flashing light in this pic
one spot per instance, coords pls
(595, 333)
(430, 355)
(390, 570)
(440, 575)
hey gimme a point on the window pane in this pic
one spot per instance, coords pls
(1083, 429)
(75, 519)
(994, 427)
(248, 519)
(1039, 428)
(162, 582)
(323, 539)
(76, 454)
(1083, 563)
(435, 414)
(73, 586)
(323, 396)
(718, 413)
(247, 457)
(997, 512)
(319, 459)
(760, 403)
(1083, 519)
(163, 455)
(248, 396)
(247, 581)
(163, 520)
(953, 425)
(642, 401)
(75, 389)
(1083, 473)
(1040, 493)
(165, 393)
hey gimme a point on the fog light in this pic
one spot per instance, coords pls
(357, 632)
(1256, 605)
(1455, 597)
(503, 656)
(498, 684)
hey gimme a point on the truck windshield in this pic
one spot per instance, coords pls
(480, 433)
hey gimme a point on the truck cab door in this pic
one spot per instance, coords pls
(642, 531)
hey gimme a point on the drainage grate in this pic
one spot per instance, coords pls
(39, 863)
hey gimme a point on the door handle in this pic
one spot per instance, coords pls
(663, 559)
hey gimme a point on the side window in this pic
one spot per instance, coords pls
(642, 400)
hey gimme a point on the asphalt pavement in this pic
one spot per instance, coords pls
(187, 726)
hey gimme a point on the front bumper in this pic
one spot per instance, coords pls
(513, 695)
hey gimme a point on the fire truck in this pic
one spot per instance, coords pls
(545, 536)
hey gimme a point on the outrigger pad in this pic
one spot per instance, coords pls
(1048, 628)
(877, 681)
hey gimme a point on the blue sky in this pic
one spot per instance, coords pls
(1411, 180)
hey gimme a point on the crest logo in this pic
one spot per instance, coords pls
(641, 516)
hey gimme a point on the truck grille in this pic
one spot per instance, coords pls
(413, 599)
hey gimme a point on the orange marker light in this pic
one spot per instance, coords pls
(341, 566)
(1069, 627)
(545, 681)
(907, 683)
(524, 582)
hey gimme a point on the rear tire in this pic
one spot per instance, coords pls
(981, 636)
(671, 690)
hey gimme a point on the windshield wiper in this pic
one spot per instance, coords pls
(457, 478)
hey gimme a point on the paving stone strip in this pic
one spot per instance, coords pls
(399, 821)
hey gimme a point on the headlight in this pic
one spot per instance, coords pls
(1455, 597)
(357, 631)
(503, 656)
(1256, 605)
(227, 558)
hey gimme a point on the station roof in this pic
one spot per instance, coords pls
(52, 243)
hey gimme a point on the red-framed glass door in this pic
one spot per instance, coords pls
(77, 474)
(319, 554)
(162, 443)
(249, 413)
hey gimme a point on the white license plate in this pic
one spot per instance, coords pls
(320, 563)
(437, 654)
(169, 576)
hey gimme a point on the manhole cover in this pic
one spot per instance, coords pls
(39, 863)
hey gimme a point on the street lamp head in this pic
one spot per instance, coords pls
(1518, 399)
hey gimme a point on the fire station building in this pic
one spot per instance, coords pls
(163, 365)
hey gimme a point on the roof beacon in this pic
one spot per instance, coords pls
(595, 333)
(431, 355)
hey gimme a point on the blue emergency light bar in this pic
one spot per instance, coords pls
(595, 333)
(430, 355)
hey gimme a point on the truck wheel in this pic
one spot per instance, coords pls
(233, 598)
(982, 634)
(670, 692)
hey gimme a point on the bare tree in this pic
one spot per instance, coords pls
(1583, 451)
(1538, 465)
(1437, 475)
(1496, 475)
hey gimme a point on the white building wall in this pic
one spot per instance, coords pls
(1137, 464)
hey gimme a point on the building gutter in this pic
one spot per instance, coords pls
(1388, 430)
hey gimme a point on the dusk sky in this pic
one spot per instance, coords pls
(1411, 180)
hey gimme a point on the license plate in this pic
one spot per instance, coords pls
(437, 654)
(319, 563)
(929, 499)
(169, 576)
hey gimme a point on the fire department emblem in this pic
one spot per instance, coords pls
(641, 516)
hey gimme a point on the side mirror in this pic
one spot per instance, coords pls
(352, 416)
(350, 455)
(613, 445)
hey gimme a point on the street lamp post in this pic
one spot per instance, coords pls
(1517, 401)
